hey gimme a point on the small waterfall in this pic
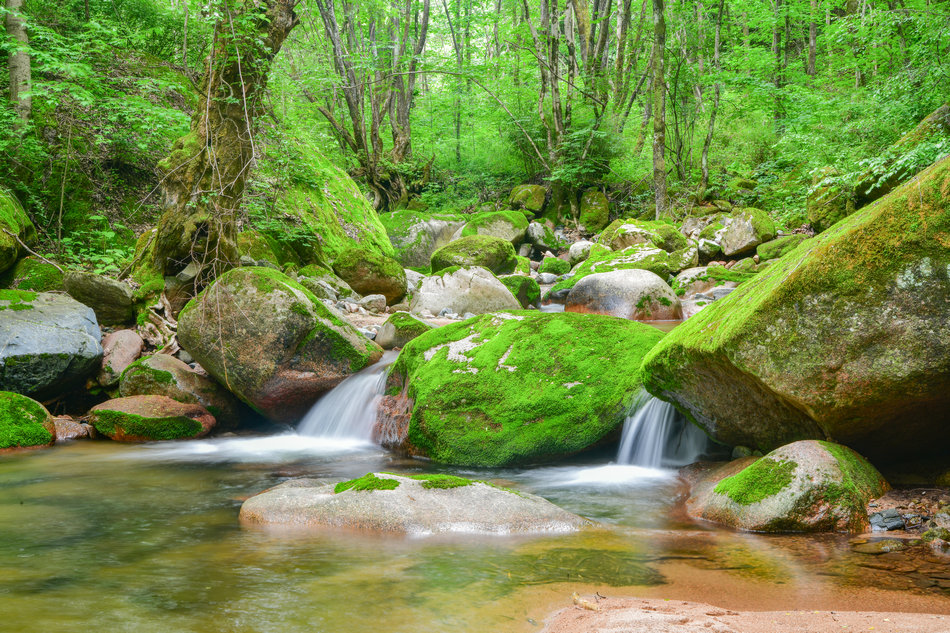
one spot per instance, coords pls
(656, 435)
(349, 410)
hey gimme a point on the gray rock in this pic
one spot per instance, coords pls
(48, 343)
(720, 291)
(745, 230)
(628, 294)
(579, 252)
(374, 303)
(399, 329)
(370, 334)
(547, 278)
(412, 280)
(525, 250)
(412, 507)
(472, 289)
(418, 235)
(110, 299)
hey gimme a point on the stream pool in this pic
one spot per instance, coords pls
(145, 538)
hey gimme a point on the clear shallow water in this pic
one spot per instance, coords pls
(146, 538)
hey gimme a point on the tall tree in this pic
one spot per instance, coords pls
(19, 61)
(659, 106)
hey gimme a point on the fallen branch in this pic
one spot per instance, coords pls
(31, 251)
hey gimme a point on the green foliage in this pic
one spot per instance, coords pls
(765, 478)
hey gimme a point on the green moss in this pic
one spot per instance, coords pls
(554, 266)
(602, 260)
(493, 253)
(407, 326)
(523, 266)
(483, 223)
(443, 482)
(31, 273)
(22, 421)
(665, 301)
(367, 482)
(254, 245)
(529, 197)
(141, 366)
(779, 246)
(763, 479)
(160, 428)
(595, 210)
(525, 289)
(859, 479)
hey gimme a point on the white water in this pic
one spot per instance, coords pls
(349, 410)
(655, 435)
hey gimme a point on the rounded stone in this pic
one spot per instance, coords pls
(370, 273)
(24, 422)
(148, 418)
(462, 290)
(629, 294)
(493, 253)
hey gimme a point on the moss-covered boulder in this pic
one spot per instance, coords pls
(13, 219)
(628, 294)
(51, 343)
(111, 300)
(542, 237)
(525, 289)
(416, 235)
(846, 337)
(149, 418)
(407, 504)
(829, 201)
(510, 388)
(554, 266)
(369, 273)
(603, 260)
(257, 246)
(24, 422)
(493, 253)
(399, 329)
(624, 233)
(164, 375)
(595, 210)
(33, 274)
(325, 283)
(507, 225)
(684, 258)
(271, 342)
(744, 230)
(779, 246)
(528, 197)
(462, 290)
(806, 486)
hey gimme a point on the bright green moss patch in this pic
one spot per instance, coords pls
(525, 289)
(442, 481)
(22, 421)
(112, 423)
(367, 482)
(493, 253)
(554, 266)
(487, 223)
(859, 479)
(603, 260)
(31, 273)
(763, 479)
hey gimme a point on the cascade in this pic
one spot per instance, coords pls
(656, 435)
(349, 410)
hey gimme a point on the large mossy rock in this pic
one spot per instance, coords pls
(595, 210)
(461, 290)
(51, 343)
(369, 273)
(24, 422)
(628, 294)
(414, 504)
(511, 388)
(746, 229)
(806, 486)
(164, 375)
(416, 235)
(847, 337)
(493, 253)
(528, 197)
(779, 246)
(603, 260)
(507, 225)
(149, 418)
(626, 232)
(14, 220)
(33, 274)
(271, 342)
(111, 300)
(525, 289)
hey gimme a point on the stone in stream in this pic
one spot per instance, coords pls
(24, 422)
(399, 329)
(603, 260)
(513, 387)
(847, 338)
(554, 266)
(415, 504)
(629, 294)
(271, 341)
(50, 343)
(148, 418)
(370, 273)
(493, 253)
(460, 290)
(807, 486)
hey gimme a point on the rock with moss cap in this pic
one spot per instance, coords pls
(628, 294)
(149, 418)
(258, 247)
(493, 253)
(24, 422)
(325, 283)
(15, 221)
(595, 210)
(271, 342)
(779, 246)
(554, 266)
(525, 289)
(844, 337)
(399, 329)
(806, 486)
(33, 274)
(415, 235)
(369, 273)
(460, 290)
(413, 504)
(626, 232)
(164, 375)
(512, 388)
(603, 260)
(528, 197)
(744, 230)
(110, 299)
(507, 225)
(51, 343)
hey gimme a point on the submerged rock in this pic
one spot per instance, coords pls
(274, 344)
(415, 504)
(462, 290)
(807, 486)
(148, 418)
(24, 422)
(629, 294)
(509, 388)
(847, 339)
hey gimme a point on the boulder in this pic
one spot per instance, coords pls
(68, 429)
(271, 341)
(34, 274)
(462, 290)
(14, 220)
(541, 237)
(493, 253)
(322, 282)
(624, 233)
(164, 375)
(24, 422)
(554, 266)
(847, 339)
(603, 260)
(512, 388)
(148, 418)
(579, 251)
(110, 299)
(259, 248)
(628, 294)
(399, 329)
(370, 273)
(746, 229)
(528, 197)
(507, 225)
(595, 210)
(415, 236)
(120, 349)
(525, 289)
(684, 258)
(50, 343)
(779, 246)
(413, 504)
(806, 486)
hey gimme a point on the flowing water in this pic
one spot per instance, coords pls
(145, 538)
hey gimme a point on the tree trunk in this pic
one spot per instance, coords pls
(715, 108)
(812, 38)
(205, 175)
(19, 62)
(659, 107)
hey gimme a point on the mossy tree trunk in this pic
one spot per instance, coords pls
(205, 175)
